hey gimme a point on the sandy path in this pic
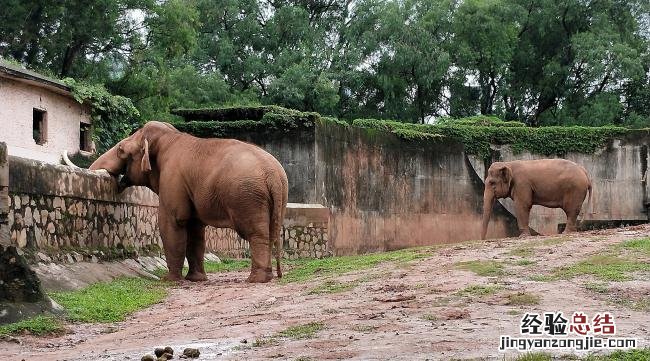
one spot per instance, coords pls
(217, 315)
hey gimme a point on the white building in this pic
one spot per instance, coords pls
(39, 118)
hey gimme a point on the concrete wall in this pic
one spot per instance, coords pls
(64, 115)
(385, 193)
(296, 152)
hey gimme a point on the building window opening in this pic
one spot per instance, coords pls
(39, 129)
(85, 139)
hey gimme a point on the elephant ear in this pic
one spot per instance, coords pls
(506, 175)
(146, 162)
(126, 149)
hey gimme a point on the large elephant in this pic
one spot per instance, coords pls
(217, 182)
(553, 183)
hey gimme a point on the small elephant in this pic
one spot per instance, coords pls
(553, 183)
(217, 182)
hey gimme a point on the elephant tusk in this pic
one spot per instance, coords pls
(67, 160)
(69, 163)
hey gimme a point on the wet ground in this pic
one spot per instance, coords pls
(397, 311)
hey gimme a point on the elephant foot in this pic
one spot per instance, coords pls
(196, 277)
(172, 277)
(260, 276)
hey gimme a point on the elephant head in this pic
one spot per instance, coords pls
(497, 185)
(133, 157)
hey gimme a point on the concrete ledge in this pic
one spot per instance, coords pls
(304, 214)
(34, 177)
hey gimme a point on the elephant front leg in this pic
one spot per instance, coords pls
(260, 259)
(174, 237)
(523, 214)
(195, 252)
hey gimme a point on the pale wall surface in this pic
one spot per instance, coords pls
(64, 115)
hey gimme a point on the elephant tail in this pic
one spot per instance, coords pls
(590, 205)
(279, 197)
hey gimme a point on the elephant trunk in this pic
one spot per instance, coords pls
(488, 203)
(109, 162)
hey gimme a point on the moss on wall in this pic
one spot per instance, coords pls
(233, 113)
(478, 138)
(476, 133)
(261, 120)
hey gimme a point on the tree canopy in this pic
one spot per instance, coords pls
(541, 62)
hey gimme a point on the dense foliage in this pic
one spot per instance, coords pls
(113, 116)
(546, 62)
(232, 121)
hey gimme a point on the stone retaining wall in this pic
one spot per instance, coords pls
(304, 234)
(58, 209)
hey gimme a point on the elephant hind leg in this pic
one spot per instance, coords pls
(195, 251)
(261, 270)
(571, 220)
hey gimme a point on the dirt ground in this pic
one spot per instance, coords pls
(369, 321)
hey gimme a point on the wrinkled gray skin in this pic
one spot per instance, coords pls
(552, 183)
(219, 182)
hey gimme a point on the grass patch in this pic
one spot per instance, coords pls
(597, 287)
(553, 241)
(305, 269)
(542, 278)
(534, 356)
(441, 301)
(429, 317)
(641, 245)
(523, 299)
(39, 325)
(330, 286)
(364, 328)
(642, 304)
(479, 290)
(301, 332)
(525, 262)
(265, 342)
(522, 252)
(642, 354)
(513, 312)
(482, 268)
(226, 265)
(111, 301)
(628, 355)
(604, 267)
